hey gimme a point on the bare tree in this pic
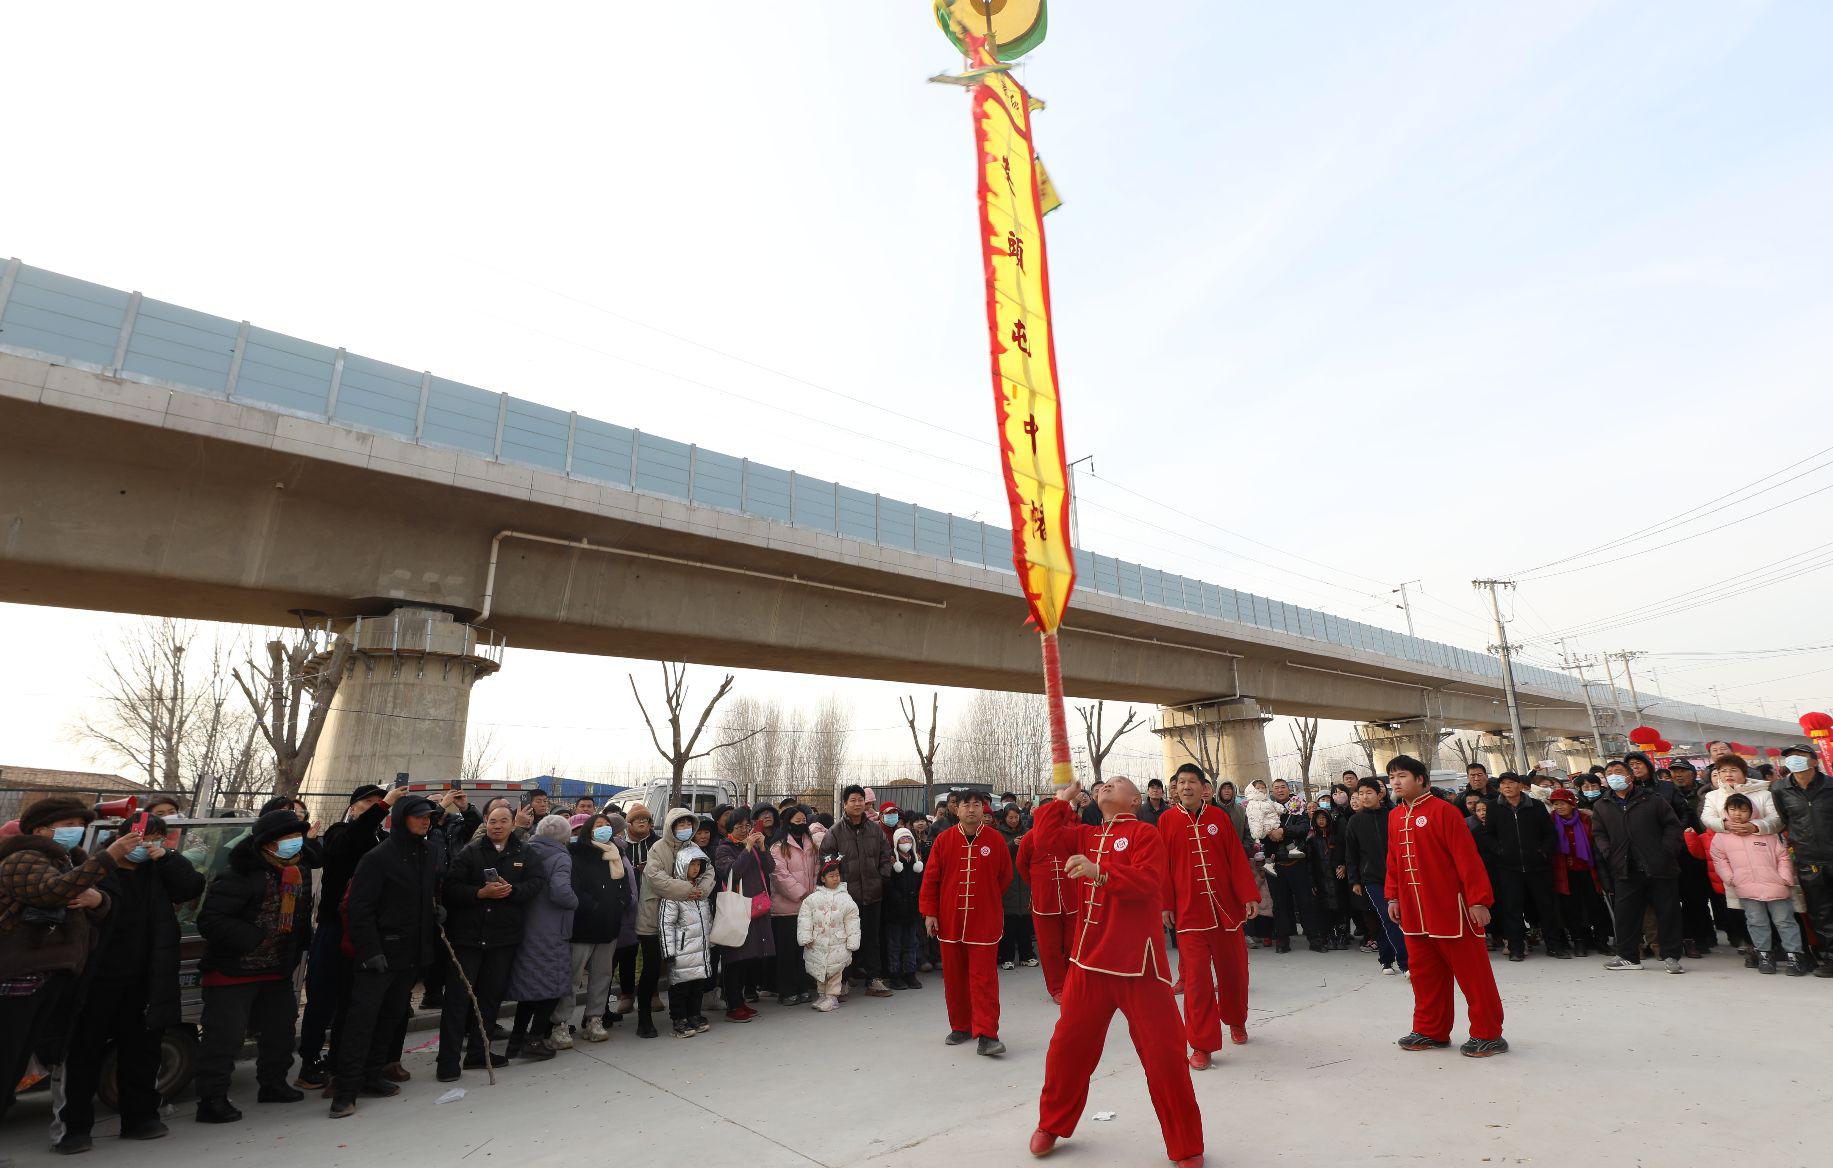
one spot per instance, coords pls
(1004, 740)
(830, 741)
(481, 751)
(755, 763)
(223, 751)
(1304, 741)
(291, 698)
(1098, 747)
(1468, 750)
(1199, 737)
(680, 750)
(1367, 746)
(147, 705)
(926, 754)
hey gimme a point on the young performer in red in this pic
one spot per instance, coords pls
(1439, 894)
(1211, 891)
(1054, 898)
(1117, 962)
(969, 868)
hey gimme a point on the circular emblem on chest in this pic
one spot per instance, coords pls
(985, 851)
(1212, 829)
(1120, 845)
(1420, 822)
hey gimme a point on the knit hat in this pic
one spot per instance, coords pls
(903, 835)
(366, 791)
(275, 824)
(889, 806)
(45, 812)
(831, 864)
(1563, 794)
(578, 821)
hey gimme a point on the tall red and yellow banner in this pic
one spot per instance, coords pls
(1012, 190)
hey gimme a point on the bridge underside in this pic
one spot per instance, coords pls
(122, 497)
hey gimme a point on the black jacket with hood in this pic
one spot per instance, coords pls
(143, 942)
(389, 906)
(1522, 835)
(229, 917)
(1637, 835)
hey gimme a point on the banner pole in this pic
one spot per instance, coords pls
(1061, 773)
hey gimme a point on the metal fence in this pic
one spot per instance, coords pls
(131, 336)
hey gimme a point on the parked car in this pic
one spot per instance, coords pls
(697, 795)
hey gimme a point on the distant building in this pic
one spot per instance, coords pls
(21, 786)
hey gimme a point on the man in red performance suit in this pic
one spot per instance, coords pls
(1117, 962)
(969, 868)
(1211, 891)
(1054, 898)
(1439, 894)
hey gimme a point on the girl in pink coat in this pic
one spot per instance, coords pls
(1756, 869)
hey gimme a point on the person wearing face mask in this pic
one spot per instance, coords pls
(601, 885)
(50, 911)
(131, 995)
(1575, 876)
(256, 921)
(1639, 841)
(639, 837)
(659, 883)
(795, 859)
(890, 816)
(1804, 799)
(742, 864)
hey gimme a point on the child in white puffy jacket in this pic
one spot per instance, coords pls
(827, 928)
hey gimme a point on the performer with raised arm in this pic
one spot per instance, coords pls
(1117, 962)
(1210, 893)
(1439, 894)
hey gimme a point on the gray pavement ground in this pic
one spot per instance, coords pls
(1719, 1066)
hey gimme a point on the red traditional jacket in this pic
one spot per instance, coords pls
(1211, 884)
(1052, 893)
(1433, 870)
(963, 881)
(1120, 930)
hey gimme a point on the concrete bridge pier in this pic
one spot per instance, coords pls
(1228, 738)
(402, 705)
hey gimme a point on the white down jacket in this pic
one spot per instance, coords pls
(1263, 814)
(827, 928)
(685, 925)
(1762, 807)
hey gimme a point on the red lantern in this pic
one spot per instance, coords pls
(1819, 729)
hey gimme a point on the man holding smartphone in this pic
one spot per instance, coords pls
(487, 890)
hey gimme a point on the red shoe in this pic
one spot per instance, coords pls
(1042, 1143)
(1238, 1035)
(1178, 988)
(740, 1014)
(1195, 1161)
(1199, 1060)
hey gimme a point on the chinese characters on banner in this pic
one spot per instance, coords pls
(1023, 350)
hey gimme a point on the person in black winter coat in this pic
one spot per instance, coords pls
(602, 886)
(390, 926)
(1290, 881)
(1638, 841)
(1803, 796)
(1365, 860)
(256, 921)
(328, 970)
(1521, 832)
(131, 994)
(455, 821)
(487, 892)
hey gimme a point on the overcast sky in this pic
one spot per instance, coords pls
(1346, 295)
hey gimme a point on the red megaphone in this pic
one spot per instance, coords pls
(117, 808)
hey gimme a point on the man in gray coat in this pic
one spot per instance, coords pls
(659, 884)
(864, 852)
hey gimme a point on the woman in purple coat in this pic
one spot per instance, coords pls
(741, 863)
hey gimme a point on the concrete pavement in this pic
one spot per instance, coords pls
(1617, 1069)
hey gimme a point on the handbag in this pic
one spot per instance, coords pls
(731, 917)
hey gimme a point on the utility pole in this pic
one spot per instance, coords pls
(1407, 605)
(1508, 669)
(1616, 700)
(1626, 656)
(1577, 665)
(1075, 512)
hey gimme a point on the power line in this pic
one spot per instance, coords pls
(1695, 512)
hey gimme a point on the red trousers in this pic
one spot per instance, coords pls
(1434, 963)
(1054, 934)
(1089, 1002)
(970, 983)
(1213, 964)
